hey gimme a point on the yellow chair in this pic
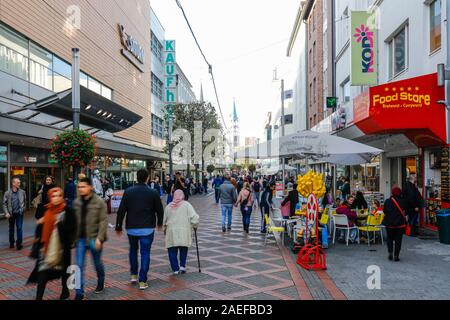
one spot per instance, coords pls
(271, 229)
(372, 225)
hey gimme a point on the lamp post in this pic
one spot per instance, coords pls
(283, 165)
(76, 88)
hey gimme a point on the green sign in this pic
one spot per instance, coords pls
(364, 45)
(332, 102)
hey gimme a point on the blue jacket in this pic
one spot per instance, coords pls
(217, 183)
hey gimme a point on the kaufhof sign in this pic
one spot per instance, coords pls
(364, 48)
(132, 49)
(170, 72)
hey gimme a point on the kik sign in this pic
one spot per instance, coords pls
(170, 73)
(132, 49)
(364, 49)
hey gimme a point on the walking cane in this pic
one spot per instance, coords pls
(198, 255)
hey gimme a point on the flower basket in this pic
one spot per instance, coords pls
(74, 148)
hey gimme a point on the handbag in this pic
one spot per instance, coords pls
(54, 253)
(408, 227)
(37, 200)
(286, 209)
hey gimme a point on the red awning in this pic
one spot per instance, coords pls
(409, 106)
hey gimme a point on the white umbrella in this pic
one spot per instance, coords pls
(315, 145)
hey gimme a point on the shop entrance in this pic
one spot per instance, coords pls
(32, 179)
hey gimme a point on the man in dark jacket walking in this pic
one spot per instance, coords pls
(413, 205)
(228, 197)
(395, 222)
(143, 210)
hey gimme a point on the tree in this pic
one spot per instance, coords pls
(252, 168)
(187, 114)
(210, 168)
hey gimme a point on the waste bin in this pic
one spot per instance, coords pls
(443, 222)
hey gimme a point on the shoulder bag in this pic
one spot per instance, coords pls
(408, 227)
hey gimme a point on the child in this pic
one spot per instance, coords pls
(376, 208)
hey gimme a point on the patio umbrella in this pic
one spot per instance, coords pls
(318, 146)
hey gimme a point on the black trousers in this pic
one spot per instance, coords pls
(44, 277)
(394, 240)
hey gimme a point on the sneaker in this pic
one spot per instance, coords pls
(396, 259)
(79, 297)
(143, 285)
(182, 270)
(223, 229)
(229, 228)
(19, 247)
(134, 279)
(99, 289)
(175, 273)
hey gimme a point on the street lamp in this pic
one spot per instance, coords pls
(283, 165)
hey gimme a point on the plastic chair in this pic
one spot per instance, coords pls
(270, 229)
(372, 226)
(341, 222)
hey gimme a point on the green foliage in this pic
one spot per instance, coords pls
(210, 168)
(73, 148)
(252, 167)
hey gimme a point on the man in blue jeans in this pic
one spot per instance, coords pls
(14, 201)
(228, 197)
(92, 224)
(216, 185)
(143, 208)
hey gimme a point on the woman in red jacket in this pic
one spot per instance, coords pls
(351, 216)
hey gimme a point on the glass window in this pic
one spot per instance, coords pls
(61, 83)
(435, 25)
(41, 62)
(83, 79)
(398, 53)
(94, 85)
(156, 47)
(106, 92)
(61, 67)
(158, 127)
(157, 87)
(13, 53)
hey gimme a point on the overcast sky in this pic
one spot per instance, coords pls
(244, 40)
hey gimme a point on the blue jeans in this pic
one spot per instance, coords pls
(146, 245)
(173, 257)
(227, 210)
(84, 245)
(246, 215)
(256, 197)
(16, 220)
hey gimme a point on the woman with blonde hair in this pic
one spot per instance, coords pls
(179, 219)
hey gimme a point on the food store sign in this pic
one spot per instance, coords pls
(402, 97)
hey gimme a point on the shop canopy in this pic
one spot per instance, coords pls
(96, 111)
(313, 145)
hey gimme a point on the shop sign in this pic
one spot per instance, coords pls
(29, 159)
(132, 49)
(170, 76)
(410, 106)
(338, 119)
(17, 171)
(279, 192)
(116, 198)
(3, 153)
(364, 48)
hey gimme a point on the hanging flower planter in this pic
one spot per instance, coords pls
(74, 148)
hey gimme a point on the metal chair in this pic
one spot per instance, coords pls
(341, 223)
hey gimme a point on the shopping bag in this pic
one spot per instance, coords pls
(286, 210)
(54, 253)
(408, 229)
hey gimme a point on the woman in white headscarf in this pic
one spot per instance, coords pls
(179, 219)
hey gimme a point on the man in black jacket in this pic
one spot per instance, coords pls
(414, 204)
(143, 209)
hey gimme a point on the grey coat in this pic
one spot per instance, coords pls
(7, 201)
(228, 193)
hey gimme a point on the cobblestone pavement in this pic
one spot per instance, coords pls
(239, 266)
(234, 266)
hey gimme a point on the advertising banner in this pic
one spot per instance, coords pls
(116, 199)
(364, 46)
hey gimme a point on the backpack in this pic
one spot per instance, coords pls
(256, 186)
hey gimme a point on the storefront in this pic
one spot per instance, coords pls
(410, 108)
